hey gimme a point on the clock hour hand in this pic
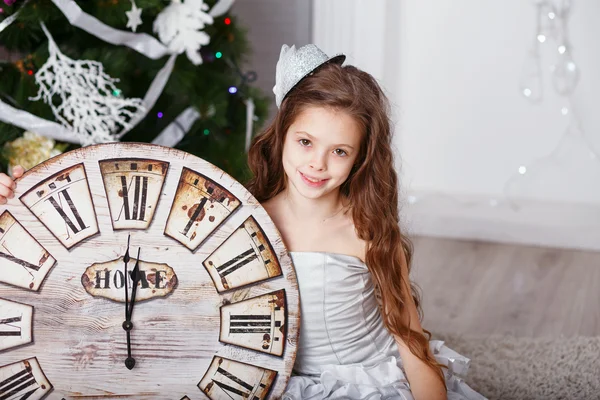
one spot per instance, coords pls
(135, 278)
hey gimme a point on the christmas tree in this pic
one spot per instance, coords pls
(101, 71)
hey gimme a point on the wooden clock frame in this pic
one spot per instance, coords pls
(217, 314)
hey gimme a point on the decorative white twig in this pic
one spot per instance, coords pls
(89, 103)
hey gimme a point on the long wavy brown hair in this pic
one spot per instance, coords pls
(371, 187)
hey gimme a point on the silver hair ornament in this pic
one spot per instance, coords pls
(295, 64)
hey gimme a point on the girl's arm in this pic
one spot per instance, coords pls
(424, 382)
(7, 185)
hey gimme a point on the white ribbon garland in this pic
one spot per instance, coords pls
(9, 20)
(249, 121)
(177, 129)
(30, 122)
(220, 8)
(140, 42)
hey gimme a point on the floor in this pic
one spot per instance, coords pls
(471, 287)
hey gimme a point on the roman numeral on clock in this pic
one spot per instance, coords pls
(250, 323)
(194, 216)
(63, 203)
(58, 206)
(23, 380)
(23, 261)
(18, 261)
(139, 201)
(17, 384)
(236, 263)
(16, 320)
(133, 187)
(234, 379)
(229, 268)
(8, 327)
(230, 379)
(257, 323)
(200, 206)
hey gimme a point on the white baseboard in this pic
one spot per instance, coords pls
(530, 222)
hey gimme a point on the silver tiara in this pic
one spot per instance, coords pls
(294, 65)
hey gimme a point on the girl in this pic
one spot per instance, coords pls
(324, 172)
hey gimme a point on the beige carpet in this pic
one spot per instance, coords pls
(504, 367)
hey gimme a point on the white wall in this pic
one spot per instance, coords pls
(452, 71)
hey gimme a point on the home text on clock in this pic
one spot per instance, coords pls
(106, 278)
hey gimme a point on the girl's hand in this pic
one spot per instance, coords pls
(7, 185)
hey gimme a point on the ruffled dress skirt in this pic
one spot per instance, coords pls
(384, 381)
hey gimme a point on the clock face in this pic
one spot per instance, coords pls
(137, 252)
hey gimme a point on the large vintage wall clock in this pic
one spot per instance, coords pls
(137, 271)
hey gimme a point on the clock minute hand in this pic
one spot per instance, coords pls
(135, 277)
(126, 259)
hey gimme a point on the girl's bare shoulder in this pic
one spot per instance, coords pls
(352, 242)
(272, 207)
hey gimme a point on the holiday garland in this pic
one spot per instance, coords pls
(202, 92)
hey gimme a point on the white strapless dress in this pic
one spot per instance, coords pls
(344, 350)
